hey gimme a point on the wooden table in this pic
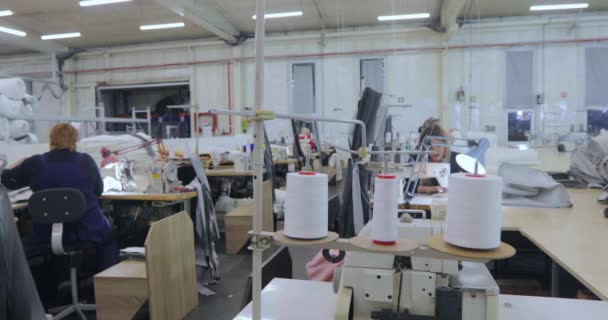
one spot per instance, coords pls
(575, 238)
(303, 300)
(157, 200)
(19, 205)
(167, 279)
(551, 160)
(285, 162)
(134, 196)
(121, 290)
(228, 173)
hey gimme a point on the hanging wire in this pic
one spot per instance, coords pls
(46, 87)
(479, 80)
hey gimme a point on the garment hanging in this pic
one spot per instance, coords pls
(19, 298)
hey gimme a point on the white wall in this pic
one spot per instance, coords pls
(417, 68)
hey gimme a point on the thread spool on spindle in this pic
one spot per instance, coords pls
(306, 205)
(474, 211)
(385, 216)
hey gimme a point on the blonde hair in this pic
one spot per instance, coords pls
(63, 136)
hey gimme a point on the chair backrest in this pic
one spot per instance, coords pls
(61, 205)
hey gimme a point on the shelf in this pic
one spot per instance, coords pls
(422, 251)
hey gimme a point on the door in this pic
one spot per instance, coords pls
(372, 74)
(303, 88)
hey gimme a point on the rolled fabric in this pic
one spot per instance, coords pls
(13, 88)
(10, 106)
(19, 128)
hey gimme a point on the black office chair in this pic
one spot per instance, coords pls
(56, 207)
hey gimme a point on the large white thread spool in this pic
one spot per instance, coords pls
(385, 218)
(474, 211)
(306, 200)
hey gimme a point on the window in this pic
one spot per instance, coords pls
(596, 77)
(597, 119)
(119, 101)
(519, 80)
(519, 125)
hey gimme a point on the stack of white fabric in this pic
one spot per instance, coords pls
(15, 101)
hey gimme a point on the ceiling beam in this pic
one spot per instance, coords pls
(450, 10)
(30, 42)
(205, 15)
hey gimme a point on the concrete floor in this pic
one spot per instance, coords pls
(229, 291)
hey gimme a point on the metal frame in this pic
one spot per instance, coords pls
(102, 119)
(261, 241)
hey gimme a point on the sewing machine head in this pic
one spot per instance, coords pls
(439, 171)
(384, 286)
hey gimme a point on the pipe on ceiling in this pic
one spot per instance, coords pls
(342, 53)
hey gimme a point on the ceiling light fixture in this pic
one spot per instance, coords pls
(6, 13)
(162, 26)
(88, 3)
(411, 16)
(13, 32)
(281, 15)
(61, 36)
(559, 6)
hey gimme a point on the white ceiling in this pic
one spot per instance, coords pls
(119, 23)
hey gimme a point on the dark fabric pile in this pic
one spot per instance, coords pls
(354, 213)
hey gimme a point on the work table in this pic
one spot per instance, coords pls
(573, 237)
(301, 299)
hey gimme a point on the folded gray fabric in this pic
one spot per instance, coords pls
(590, 162)
(529, 187)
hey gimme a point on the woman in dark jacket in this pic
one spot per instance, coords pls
(63, 167)
(441, 153)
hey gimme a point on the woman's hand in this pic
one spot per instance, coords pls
(430, 189)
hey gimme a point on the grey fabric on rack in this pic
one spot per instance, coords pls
(367, 111)
(355, 209)
(590, 162)
(529, 187)
(206, 230)
(19, 298)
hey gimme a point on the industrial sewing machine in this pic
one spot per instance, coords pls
(151, 177)
(410, 288)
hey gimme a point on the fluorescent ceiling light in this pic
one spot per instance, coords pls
(405, 17)
(162, 26)
(88, 3)
(61, 36)
(6, 13)
(559, 6)
(281, 15)
(13, 31)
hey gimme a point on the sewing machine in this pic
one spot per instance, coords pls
(164, 178)
(439, 171)
(133, 176)
(393, 287)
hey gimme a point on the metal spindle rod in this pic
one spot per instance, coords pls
(302, 117)
(260, 30)
(385, 151)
